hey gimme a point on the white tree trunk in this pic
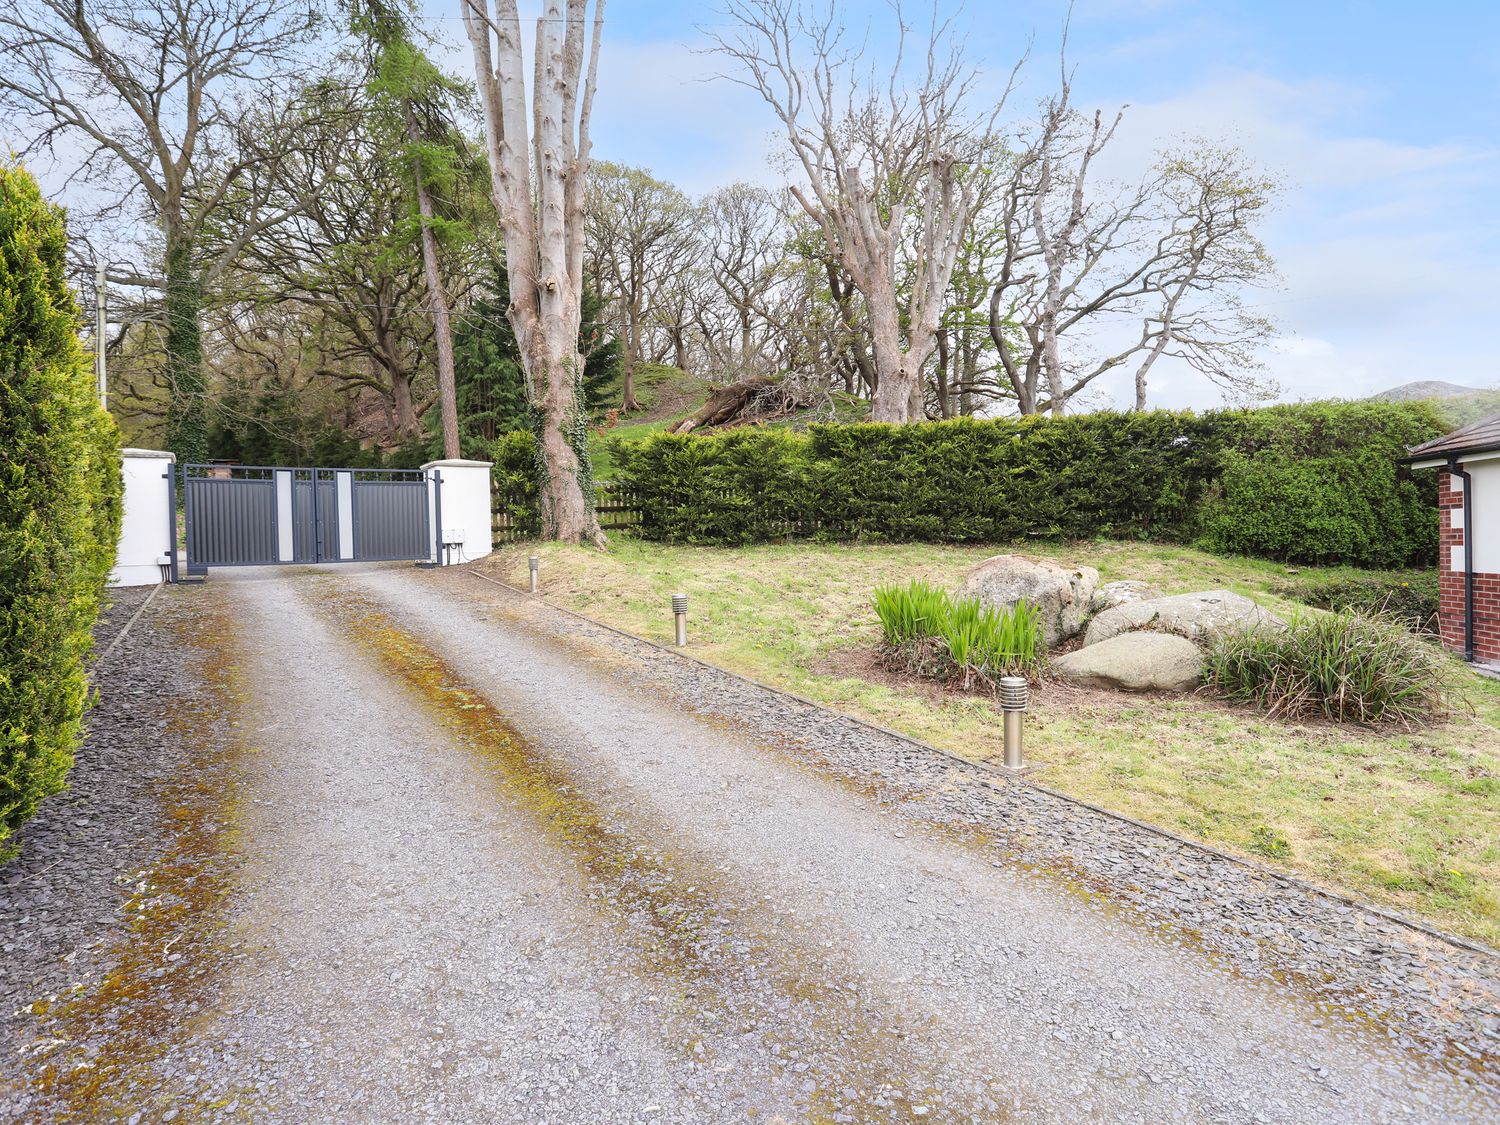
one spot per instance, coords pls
(544, 230)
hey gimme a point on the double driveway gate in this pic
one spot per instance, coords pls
(244, 515)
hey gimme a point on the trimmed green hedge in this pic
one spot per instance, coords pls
(1320, 483)
(60, 502)
(1126, 476)
(1317, 482)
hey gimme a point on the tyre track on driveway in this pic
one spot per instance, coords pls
(739, 996)
(404, 952)
(437, 918)
(1046, 1001)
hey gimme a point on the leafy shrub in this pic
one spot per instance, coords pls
(1320, 482)
(59, 504)
(1345, 667)
(1313, 482)
(1410, 597)
(513, 480)
(972, 640)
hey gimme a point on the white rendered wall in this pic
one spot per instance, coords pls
(465, 507)
(145, 530)
(1485, 509)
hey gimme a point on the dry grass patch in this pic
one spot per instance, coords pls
(1407, 818)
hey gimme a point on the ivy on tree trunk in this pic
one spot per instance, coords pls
(187, 409)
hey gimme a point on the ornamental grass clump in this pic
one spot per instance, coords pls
(1345, 667)
(933, 634)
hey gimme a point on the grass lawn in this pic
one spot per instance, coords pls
(1409, 819)
(666, 396)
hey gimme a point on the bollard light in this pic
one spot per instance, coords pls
(679, 618)
(535, 564)
(1015, 694)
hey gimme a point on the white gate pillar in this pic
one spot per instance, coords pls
(464, 503)
(147, 525)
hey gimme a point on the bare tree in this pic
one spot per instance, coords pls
(1082, 260)
(344, 254)
(874, 154)
(744, 236)
(965, 378)
(1195, 313)
(538, 174)
(151, 88)
(642, 233)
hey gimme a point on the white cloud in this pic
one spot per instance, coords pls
(1295, 346)
(1388, 252)
(662, 106)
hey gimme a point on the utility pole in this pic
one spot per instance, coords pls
(99, 336)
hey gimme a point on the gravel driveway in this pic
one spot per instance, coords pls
(453, 859)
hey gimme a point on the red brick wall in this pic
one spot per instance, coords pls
(1451, 586)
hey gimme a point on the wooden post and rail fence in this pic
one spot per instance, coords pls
(622, 508)
(619, 510)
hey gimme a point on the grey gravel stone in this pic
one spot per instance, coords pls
(668, 895)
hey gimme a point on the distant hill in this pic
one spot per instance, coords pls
(1425, 388)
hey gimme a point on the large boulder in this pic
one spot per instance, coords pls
(1114, 594)
(1198, 617)
(1062, 595)
(1135, 662)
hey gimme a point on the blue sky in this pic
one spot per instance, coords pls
(1381, 118)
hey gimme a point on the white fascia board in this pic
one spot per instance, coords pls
(1462, 459)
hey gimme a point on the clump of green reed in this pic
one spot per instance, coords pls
(932, 633)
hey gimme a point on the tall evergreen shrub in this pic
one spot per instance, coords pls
(59, 504)
(1322, 482)
(1314, 482)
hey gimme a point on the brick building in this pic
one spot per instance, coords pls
(1468, 464)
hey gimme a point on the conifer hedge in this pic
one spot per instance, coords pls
(59, 504)
(1315, 482)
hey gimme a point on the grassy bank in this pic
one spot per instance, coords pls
(1409, 819)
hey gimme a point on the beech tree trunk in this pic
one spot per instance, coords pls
(940, 380)
(725, 405)
(406, 414)
(539, 157)
(899, 368)
(632, 352)
(567, 513)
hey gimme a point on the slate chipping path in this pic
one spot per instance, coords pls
(669, 907)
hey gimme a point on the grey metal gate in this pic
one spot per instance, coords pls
(252, 515)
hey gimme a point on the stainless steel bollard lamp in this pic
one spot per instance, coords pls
(1015, 696)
